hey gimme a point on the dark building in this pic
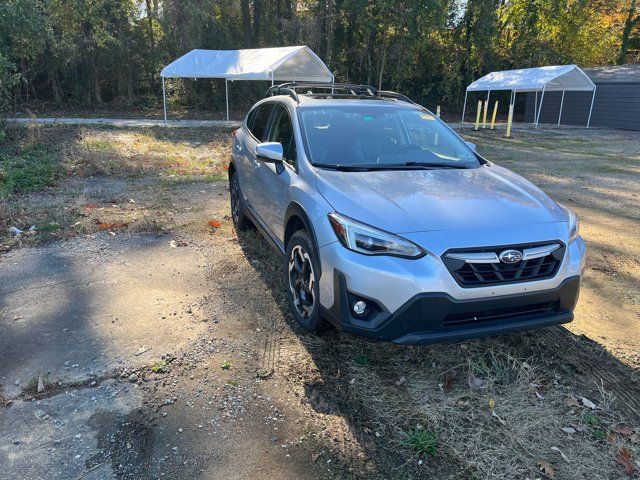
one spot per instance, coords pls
(616, 105)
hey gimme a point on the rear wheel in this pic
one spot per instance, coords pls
(302, 281)
(240, 220)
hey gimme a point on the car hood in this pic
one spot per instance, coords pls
(402, 201)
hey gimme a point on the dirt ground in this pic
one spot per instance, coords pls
(141, 338)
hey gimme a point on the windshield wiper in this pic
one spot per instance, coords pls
(388, 166)
(344, 168)
(433, 165)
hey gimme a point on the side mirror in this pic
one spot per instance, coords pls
(270, 152)
(471, 145)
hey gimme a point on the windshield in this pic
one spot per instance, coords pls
(381, 137)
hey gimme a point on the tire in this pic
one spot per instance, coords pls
(240, 220)
(301, 279)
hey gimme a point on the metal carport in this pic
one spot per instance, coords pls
(297, 63)
(553, 78)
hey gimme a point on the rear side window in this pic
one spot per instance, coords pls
(258, 119)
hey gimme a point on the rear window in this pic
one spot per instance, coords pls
(378, 135)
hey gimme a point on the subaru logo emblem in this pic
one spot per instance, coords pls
(510, 256)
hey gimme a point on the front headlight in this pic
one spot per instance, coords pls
(574, 223)
(368, 240)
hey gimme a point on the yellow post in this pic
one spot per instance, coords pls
(493, 117)
(509, 120)
(484, 115)
(438, 111)
(478, 114)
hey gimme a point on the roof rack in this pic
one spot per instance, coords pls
(337, 90)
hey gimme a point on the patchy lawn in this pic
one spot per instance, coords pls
(555, 403)
(84, 178)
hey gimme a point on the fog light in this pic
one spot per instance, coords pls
(359, 307)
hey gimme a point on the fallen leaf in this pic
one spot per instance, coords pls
(447, 383)
(569, 430)
(546, 469)
(475, 382)
(623, 430)
(111, 226)
(588, 403)
(623, 457)
(572, 402)
(214, 223)
(90, 206)
(492, 403)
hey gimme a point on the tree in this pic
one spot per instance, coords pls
(631, 21)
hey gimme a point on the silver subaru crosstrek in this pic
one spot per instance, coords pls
(393, 227)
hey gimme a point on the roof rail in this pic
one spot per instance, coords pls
(396, 95)
(336, 89)
(353, 89)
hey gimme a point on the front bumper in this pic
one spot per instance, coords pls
(438, 317)
(416, 299)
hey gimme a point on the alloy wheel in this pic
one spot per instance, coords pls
(302, 281)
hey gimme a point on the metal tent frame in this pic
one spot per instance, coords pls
(541, 79)
(298, 63)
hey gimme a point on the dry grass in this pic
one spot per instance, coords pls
(482, 409)
(127, 178)
(499, 424)
(117, 152)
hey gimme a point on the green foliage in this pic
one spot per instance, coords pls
(91, 53)
(362, 359)
(49, 227)
(8, 81)
(423, 442)
(28, 170)
(161, 366)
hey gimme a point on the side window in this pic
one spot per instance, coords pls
(258, 119)
(282, 131)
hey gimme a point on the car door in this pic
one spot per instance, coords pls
(272, 181)
(245, 150)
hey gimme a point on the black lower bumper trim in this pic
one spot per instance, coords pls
(438, 317)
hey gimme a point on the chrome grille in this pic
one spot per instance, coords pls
(480, 267)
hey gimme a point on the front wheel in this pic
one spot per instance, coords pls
(240, 220)
(302, 281)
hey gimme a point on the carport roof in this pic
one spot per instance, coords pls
(549, 78)
(281, 63)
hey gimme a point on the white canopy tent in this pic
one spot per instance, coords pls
(555, 78)
(298, 63)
